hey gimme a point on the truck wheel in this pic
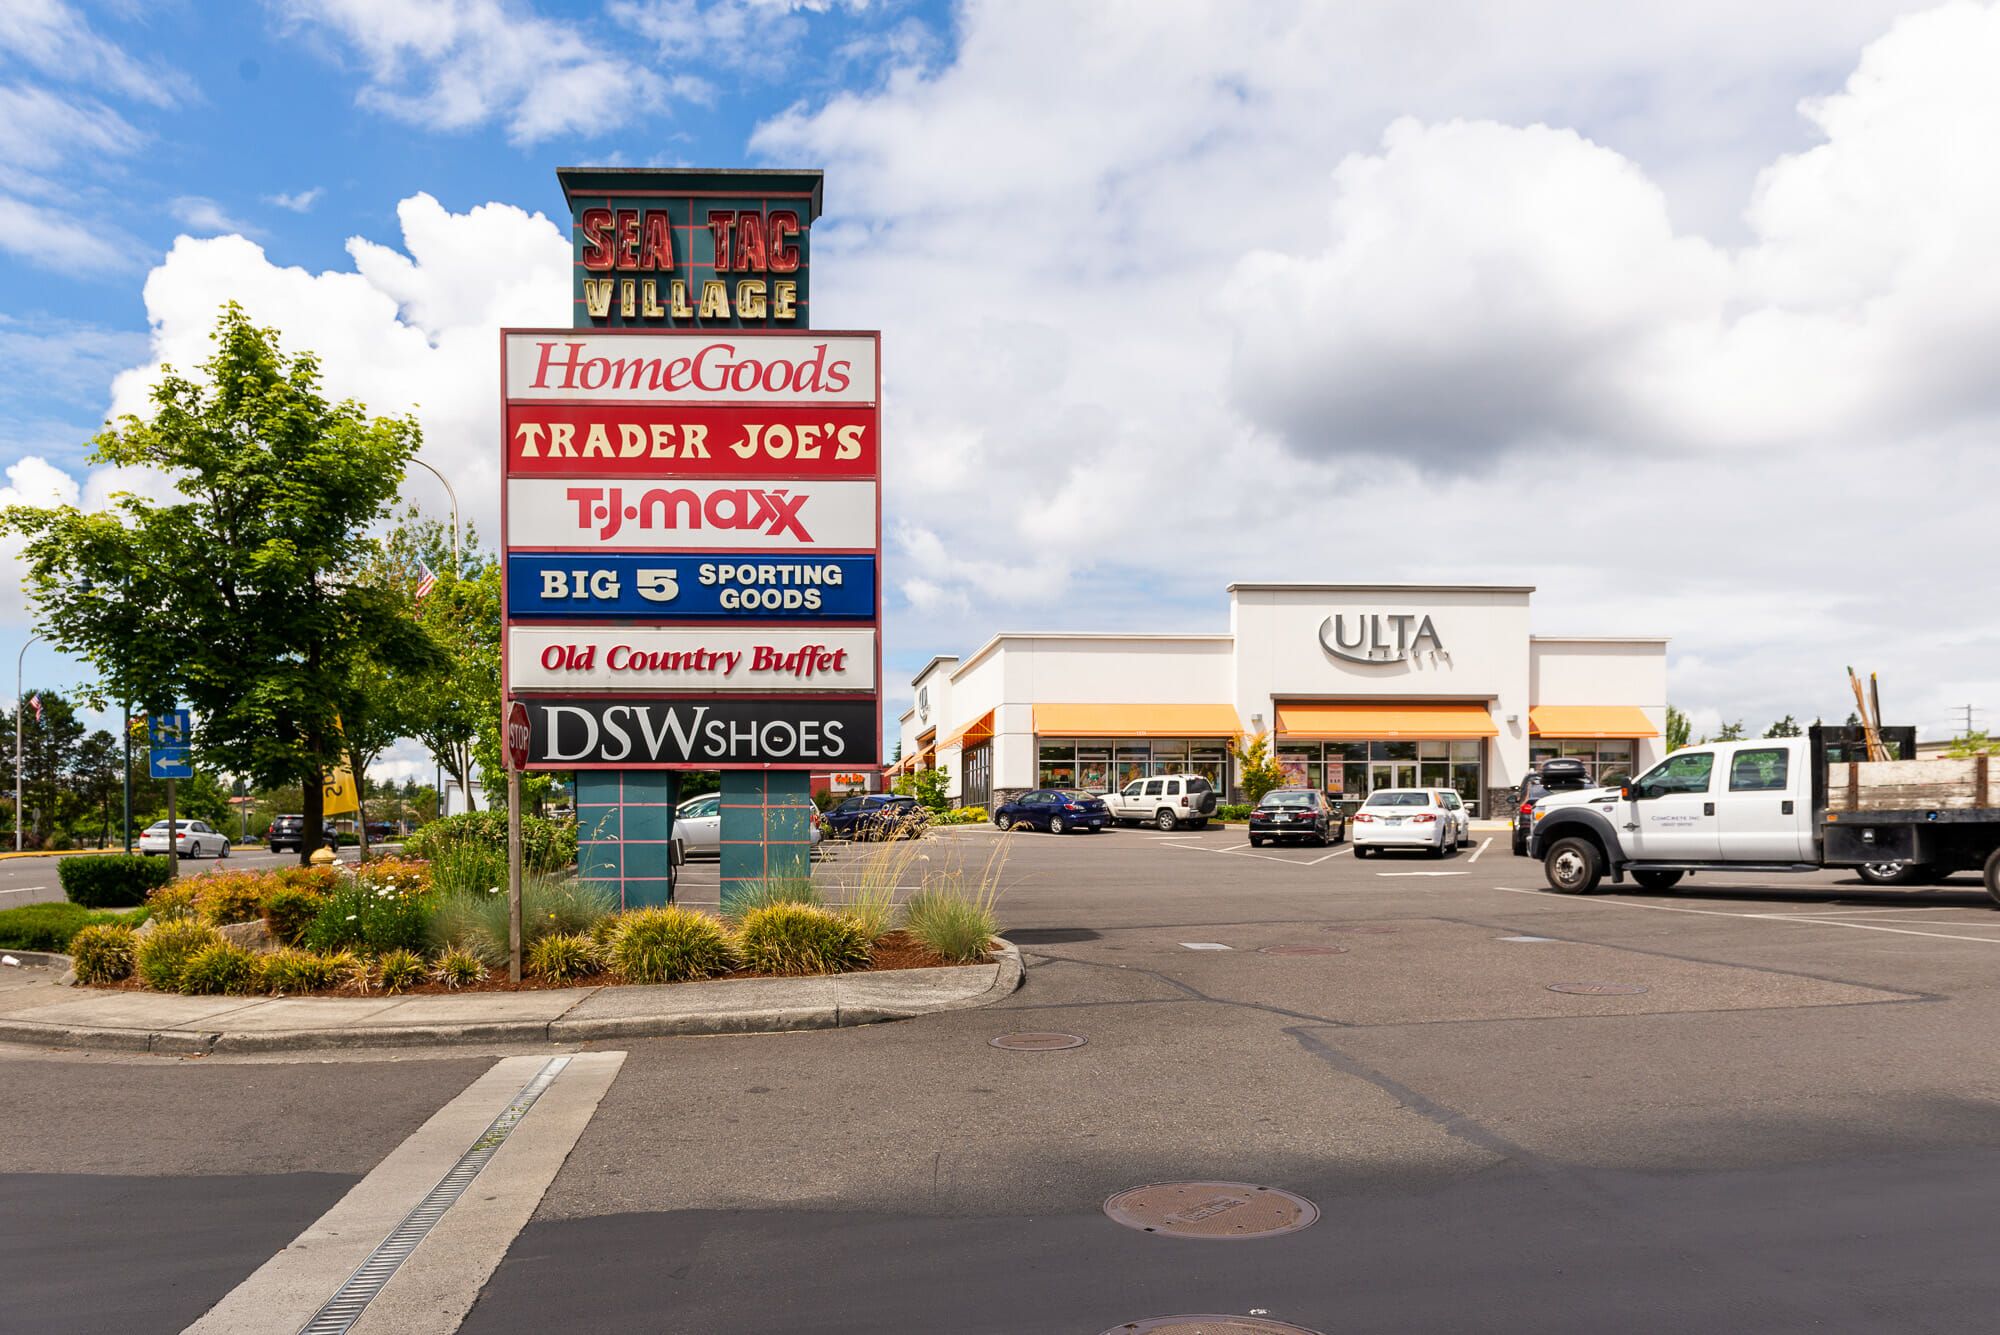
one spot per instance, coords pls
(1992, 877)
(1573, 867)
(1891, 873)
(1164, 820)
(1658, 880)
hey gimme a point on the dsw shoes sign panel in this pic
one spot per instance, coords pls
(628, 734)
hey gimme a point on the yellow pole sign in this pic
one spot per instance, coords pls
(340, 795)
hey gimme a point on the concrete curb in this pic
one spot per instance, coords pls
(40, 959)
(847, 1011)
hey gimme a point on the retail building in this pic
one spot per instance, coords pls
(1361, 686)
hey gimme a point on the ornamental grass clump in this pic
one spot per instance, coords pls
(165, 951)
(669, 945)
(291, 970)
(951, 921)
(801, 939)
(562, 958)
(458, 967)
(221, 968)
(289, 910)
(104, 954)
(399, 970)
(550, 905)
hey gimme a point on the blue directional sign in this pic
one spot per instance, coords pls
(720, 586)
(171, 762)
(169, 727)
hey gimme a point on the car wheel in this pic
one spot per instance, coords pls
(1658, 880)
(1057, 825)
(1992, 877)
(1164, 820)
(1363, 851)
(1891, 873)
(1573, 867)
(1520, 844)
(1256, 841)
(1320, 840)
(1442, 843)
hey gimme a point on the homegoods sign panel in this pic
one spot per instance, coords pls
(650, 479)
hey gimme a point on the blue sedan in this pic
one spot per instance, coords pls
(1057, 810)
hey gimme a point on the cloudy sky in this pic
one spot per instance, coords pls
(1684, 314)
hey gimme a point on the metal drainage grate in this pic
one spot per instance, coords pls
(352, 1298)
(1598, 989)
(1302, 950)
(1208, 1325)
(1215, 1211)
(1038, 1042)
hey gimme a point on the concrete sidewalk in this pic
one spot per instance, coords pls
(36, 1009)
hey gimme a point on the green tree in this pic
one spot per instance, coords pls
(1730, 732)
(1785, 727)
(1973, 744)
(239, 599)
(48, 756)
(97, 777)
(927, 786)
(1679, 730)
(1257, 770)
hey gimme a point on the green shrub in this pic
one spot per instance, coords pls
(44, 926)
(952, 923)
(459, 967)
(801, 939)
(293, 971)
(400, 970)
(175, 900)
(324, 880)
(546, 845)
(1234, 811)
(776, 890)
(962, 816)
(289, 910)
(669, 945)
(110, 880)
(165, 951)
(357, 917)
(477, 919)
(103, 954)
(219, 968)
(230, 896)
(562, 957)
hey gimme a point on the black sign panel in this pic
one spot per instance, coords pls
(703, 734)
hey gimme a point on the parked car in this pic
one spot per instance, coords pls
(1057, 810)
(192, 839)
(1167, 801)
(1431, 819)
(287, 832)
(1296, 813)
(1555, 776)
(698, 828)
(875, 816)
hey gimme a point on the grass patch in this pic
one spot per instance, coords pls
(801, 939)
(292, 970)
(220, 968)
(776, 890)
(562, 957)
(550, 905)
(953, 921)
(51, 927)
(669, 945)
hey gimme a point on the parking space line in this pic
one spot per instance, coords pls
(1766, 917)
(1478, 852)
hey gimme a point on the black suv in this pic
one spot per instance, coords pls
(875, 816)
(1555, 776)
(286, 832)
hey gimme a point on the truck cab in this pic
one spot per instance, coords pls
(1745, 805)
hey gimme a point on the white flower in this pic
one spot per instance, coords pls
(494, 891)
(350, 917)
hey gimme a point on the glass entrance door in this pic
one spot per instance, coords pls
(1392, 774)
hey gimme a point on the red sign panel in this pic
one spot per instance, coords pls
(640, 440)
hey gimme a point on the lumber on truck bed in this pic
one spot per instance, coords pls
(1912, 785)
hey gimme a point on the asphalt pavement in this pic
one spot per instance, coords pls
(1747, 1104)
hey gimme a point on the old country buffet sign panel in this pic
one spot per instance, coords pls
(692, 530)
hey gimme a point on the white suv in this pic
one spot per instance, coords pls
(1165, 801)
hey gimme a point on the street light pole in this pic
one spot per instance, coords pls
(20, 661)
(454, 509)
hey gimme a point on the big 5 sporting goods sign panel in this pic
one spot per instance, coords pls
(692, 520)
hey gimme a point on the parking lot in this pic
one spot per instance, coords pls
(1750, 1104)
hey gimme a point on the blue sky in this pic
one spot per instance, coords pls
(1620, 301)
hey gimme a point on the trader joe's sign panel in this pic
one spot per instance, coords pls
(692, 527)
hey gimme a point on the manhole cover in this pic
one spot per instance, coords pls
(1208, 1325)
(1363, 930)
(1218, 1211)
(1038, 1042)
(1598, 989)
(1302, 950)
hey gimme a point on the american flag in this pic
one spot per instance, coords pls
(35, 703)
(426, 578)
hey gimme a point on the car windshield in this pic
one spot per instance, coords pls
(1287, 800)
(1399, 800)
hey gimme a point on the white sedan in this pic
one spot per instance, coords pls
(194, 839)
(1429, 819)
(698, 827)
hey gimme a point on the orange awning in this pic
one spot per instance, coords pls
(1137, 721)
(1590, 721)
(1373, 722)
(973, 733)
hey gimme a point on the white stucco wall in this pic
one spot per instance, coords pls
(1586, 670)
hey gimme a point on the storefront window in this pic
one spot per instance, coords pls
(1354, 780)
(1606, 760)
(1093, 769)
(1058, 765)
(1347, 750)
(1434, 774)
(1169, 757)
(1392, 750)
(1211, 762)
(1133, 759)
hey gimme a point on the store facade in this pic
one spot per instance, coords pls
(1359, 686)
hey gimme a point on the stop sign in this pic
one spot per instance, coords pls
(517, 735)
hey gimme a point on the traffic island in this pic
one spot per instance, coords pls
(45, 1014)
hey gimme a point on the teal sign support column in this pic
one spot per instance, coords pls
(766, 830)
(624, 833)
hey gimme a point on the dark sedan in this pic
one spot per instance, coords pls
(1296, 813)
(875, 816)
(1057, 810)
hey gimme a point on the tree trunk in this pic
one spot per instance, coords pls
(312, 811)
(360, 769)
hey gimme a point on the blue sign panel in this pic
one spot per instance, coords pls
(681, 587)
(171, 762)
(170, 727)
